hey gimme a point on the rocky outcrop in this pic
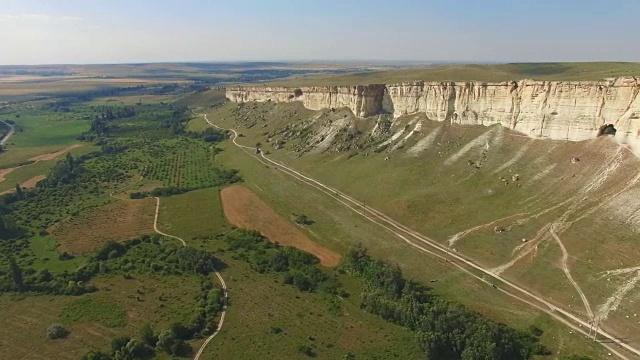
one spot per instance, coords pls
(542, 109)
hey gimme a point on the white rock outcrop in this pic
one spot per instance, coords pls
(556, 110)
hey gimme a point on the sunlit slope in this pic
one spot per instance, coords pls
(510, 203)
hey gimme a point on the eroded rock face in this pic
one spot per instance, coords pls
(542, 109)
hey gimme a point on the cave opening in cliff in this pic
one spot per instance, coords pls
(607, 129)
(297, 93)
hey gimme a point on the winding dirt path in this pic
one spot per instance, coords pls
(222, 283)
(438, 250)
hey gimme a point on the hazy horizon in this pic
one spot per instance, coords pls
(71, 32)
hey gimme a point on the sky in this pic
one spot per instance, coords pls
(133, 31)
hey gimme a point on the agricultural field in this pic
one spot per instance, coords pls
(194, 214)
(244, 209)
(472, 72)
(91, 229)
(186, 164)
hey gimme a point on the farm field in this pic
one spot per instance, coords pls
(244, 209)
(471, 72)
(194, 214)
(185, 164)
(91, 229)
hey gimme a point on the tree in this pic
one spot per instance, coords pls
(19, 191)
(96, 355)
(165, 341)
(15, 272)
(56, 331)
(306, 350)
(147, 335)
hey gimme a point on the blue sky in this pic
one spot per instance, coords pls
(116, 31)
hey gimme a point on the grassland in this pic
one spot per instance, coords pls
(486, 73)
(136, 301)
(265, 312)
(194, 214)
(426, 204)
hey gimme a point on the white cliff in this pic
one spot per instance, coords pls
(541, 109)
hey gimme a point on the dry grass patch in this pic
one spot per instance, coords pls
(118, 221)
(55, 154)
(245, 209)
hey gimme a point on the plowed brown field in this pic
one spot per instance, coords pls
(245, 209)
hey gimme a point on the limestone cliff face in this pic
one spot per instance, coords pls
(542, 109)
(363, 100)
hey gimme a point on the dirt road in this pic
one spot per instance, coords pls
(222, 284)
(12, 130)
(416, 240)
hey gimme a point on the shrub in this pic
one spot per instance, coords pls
(56, 331)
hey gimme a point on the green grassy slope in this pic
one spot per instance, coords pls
(439, 192)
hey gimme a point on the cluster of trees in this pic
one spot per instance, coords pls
(8, 227)
(298, 268)
(145, 254)
(444, 330)
(13, 278)
(210, 135)
(172, 341)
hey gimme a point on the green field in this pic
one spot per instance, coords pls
(41, 131)
(194, 214)
(265, 312)
(485, 73)
(24, 173)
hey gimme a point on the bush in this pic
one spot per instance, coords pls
(306, 350)
(56, 331)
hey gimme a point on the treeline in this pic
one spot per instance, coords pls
(298, 268)
(445, 330)
(209, 135)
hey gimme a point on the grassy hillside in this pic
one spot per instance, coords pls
(487, 73)
(508, 202)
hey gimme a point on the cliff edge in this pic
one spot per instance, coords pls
(541, 109)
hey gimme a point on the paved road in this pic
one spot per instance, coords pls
(436, 249)
(12, 130)
(222, 283)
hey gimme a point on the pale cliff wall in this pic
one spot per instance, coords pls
(543, 109)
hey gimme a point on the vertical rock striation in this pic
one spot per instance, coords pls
(543, 109)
